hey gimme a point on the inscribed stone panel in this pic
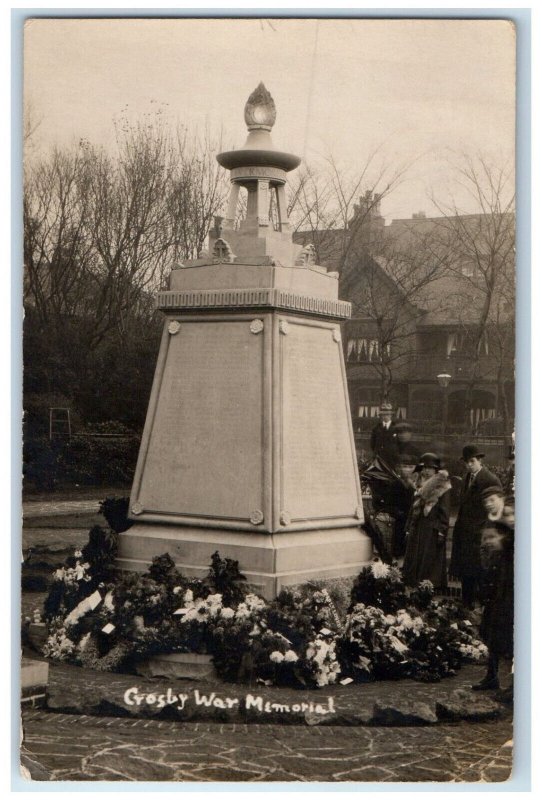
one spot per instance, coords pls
(318, 479)
(205, 451)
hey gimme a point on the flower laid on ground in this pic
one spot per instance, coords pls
(58, 645)
(290, 656)
(322, 659)
(109, 621)
(379, 585)
(276, 656)
(380, 570)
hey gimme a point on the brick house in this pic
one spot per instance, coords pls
(427, 302)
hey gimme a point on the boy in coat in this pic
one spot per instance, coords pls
(465, 562)
(497, 590)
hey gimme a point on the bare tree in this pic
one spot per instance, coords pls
(392, 282)
(57, 250)
(387, 280)
(102, 230)
(480, 251)
(331, 206)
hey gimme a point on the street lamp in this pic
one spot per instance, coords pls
(444, 379)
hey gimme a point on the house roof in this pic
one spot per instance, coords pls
(451, 297)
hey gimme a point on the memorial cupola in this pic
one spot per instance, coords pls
(260, 169)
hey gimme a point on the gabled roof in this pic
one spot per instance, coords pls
(449, 299)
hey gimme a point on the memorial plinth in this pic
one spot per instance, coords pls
(248, 447)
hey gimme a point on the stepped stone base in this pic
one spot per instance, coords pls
(269, 560)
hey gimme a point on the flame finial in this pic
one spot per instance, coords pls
(260, 111)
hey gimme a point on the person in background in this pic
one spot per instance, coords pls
(497, 587)
(383, 441)
(510, 477)
(427, 526)
(403, 496)
(403, 437)
(465, 562)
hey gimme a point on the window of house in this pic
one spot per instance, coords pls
(365, 350)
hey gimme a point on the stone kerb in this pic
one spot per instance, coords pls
(74, 690)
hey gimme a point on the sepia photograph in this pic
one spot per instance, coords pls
(269, 382)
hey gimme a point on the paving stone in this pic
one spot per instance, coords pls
(32, 769)
(133, 767)
(468, 705)
(117, 750)
(402, 712)
(495, 774)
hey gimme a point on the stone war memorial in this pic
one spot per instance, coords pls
(248, 446)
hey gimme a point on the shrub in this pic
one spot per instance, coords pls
(88, 458)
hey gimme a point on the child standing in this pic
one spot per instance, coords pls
(497, 586)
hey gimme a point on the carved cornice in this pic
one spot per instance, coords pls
(250, 298)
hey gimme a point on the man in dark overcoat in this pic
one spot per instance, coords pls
(465, 562)
(403, 438)
(383, 441)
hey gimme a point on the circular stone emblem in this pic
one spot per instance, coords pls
(358, 513)
(336, 335)
(256, 517)
(285, 518)
(137, 508)
(283, 326)
(256, 326)
(174, 327)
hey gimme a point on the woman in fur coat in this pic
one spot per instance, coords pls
(427, 526)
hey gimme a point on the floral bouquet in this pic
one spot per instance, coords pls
(379, 585)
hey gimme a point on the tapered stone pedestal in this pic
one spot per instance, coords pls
(248, 447)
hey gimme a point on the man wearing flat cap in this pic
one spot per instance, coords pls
(383, 441)
(465, 563)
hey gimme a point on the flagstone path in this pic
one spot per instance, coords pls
(81, 748)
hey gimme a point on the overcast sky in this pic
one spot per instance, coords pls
(414, 89)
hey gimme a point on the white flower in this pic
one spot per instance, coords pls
(290, 656)
(379, 569)
(177, 589)
(242, 611)
(188, 596)
(398, 645)
(214, 600)
(108, 601)
(276, 656)
(254, 603)
(190, 615)
(227, 613)
(78, 554)
(59, 574)
(84, 641)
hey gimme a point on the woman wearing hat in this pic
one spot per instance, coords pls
(427, 526)
(465, 562)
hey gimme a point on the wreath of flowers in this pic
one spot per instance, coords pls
(298, 639)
